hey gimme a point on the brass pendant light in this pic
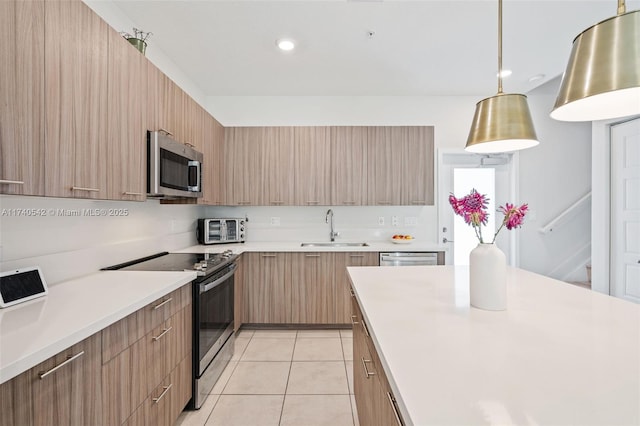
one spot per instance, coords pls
(602, 79)
(501, 123)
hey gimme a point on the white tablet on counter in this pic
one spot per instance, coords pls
(20, 285)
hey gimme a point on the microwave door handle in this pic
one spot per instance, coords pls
(197, 165)
(209, 286)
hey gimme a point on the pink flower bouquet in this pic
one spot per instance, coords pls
(473, 208)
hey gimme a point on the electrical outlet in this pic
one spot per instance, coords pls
(410, 221)
(275, 221)
(394, 220)
(381, 220)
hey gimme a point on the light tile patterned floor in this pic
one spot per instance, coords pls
(283, 378)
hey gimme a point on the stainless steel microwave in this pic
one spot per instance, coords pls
(219, 231)
(174, 170)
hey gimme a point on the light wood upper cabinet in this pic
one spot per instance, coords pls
(343, 284)
(126, 129)
(417, 173)
(265, 287)
(243, 165)
(313, 166)
(277, 166)
(213, 169)
(22, 97)
(312, 288)
(384, 165)
(348, 165)
(76, 64)
(156, 102)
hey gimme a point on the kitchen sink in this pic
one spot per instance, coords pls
(334, 245)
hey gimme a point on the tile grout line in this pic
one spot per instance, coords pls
(288, 378)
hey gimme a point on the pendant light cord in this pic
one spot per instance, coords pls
(500, 46)
(621, 7)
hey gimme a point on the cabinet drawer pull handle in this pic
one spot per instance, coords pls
(364, 327)
(164, 392)
(384, 203)
(276, 202)
(312, 202)
(161, 335)
(268, 255)
(244, 202)
(353, 320)
(392, 401)
(80, 188)
(348, 202)
(70, 359)
(166, 132)
(136, 194)
(312, 255)
(161, 304)
(352, 293)
(418, 202)
(189, 145)
(12, 182)
(367, 373)
(356, 255)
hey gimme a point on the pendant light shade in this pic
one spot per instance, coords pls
(602, 79)
(501, 123)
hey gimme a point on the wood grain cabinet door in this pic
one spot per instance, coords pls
(277, 166)
(313, 166)
(22, 97)
(343, 284)
(126, 128)
(313, 288)
(67, 388)
(384, 166)
(348, 165)
(365, 385)
(266, 299)
(242, 148)
(417, 172)
(76, 63)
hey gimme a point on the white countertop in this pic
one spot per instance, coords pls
(559, 354)
(34, 331)
(374, 246)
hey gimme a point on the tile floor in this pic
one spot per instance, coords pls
(283, 377)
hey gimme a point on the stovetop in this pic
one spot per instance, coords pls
(203, 263)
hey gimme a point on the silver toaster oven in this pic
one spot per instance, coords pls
(221, 230)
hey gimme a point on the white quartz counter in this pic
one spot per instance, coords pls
(33, 331)
(559, 354)
(295, 246)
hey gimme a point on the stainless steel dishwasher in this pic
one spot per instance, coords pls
(412, 258)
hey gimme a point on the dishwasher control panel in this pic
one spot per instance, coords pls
(412, 258)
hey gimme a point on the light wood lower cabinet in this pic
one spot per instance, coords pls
(375, 402)
(312, 288)
(343, 284)
(66, 389)
(137, 368)
(238, 293)
(266, 278)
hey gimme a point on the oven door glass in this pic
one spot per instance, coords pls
(215, 315)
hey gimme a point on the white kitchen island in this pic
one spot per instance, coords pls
(558, 355)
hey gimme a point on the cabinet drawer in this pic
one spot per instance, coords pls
(162, 309)
(119, 336)
(167, 400)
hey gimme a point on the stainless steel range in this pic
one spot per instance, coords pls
(213, 290)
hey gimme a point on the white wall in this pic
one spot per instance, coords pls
(552, 177)
(113, 16)
(67, 246)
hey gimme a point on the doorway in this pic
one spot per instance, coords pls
(493, 175)
(625, 210)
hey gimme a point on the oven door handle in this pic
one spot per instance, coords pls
(209, 286)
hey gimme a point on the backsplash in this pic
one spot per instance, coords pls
(68, 238)
(354, 223)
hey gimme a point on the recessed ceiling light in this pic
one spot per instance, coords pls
(285, 44)
(504, 73)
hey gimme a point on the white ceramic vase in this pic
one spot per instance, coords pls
(488, 278)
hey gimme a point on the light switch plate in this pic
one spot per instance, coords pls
(275, 221)
(381, 220)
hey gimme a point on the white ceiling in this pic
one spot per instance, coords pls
(419, 47)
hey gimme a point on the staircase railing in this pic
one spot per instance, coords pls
(567, 214)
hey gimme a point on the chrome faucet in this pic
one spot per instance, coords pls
(332, 233)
